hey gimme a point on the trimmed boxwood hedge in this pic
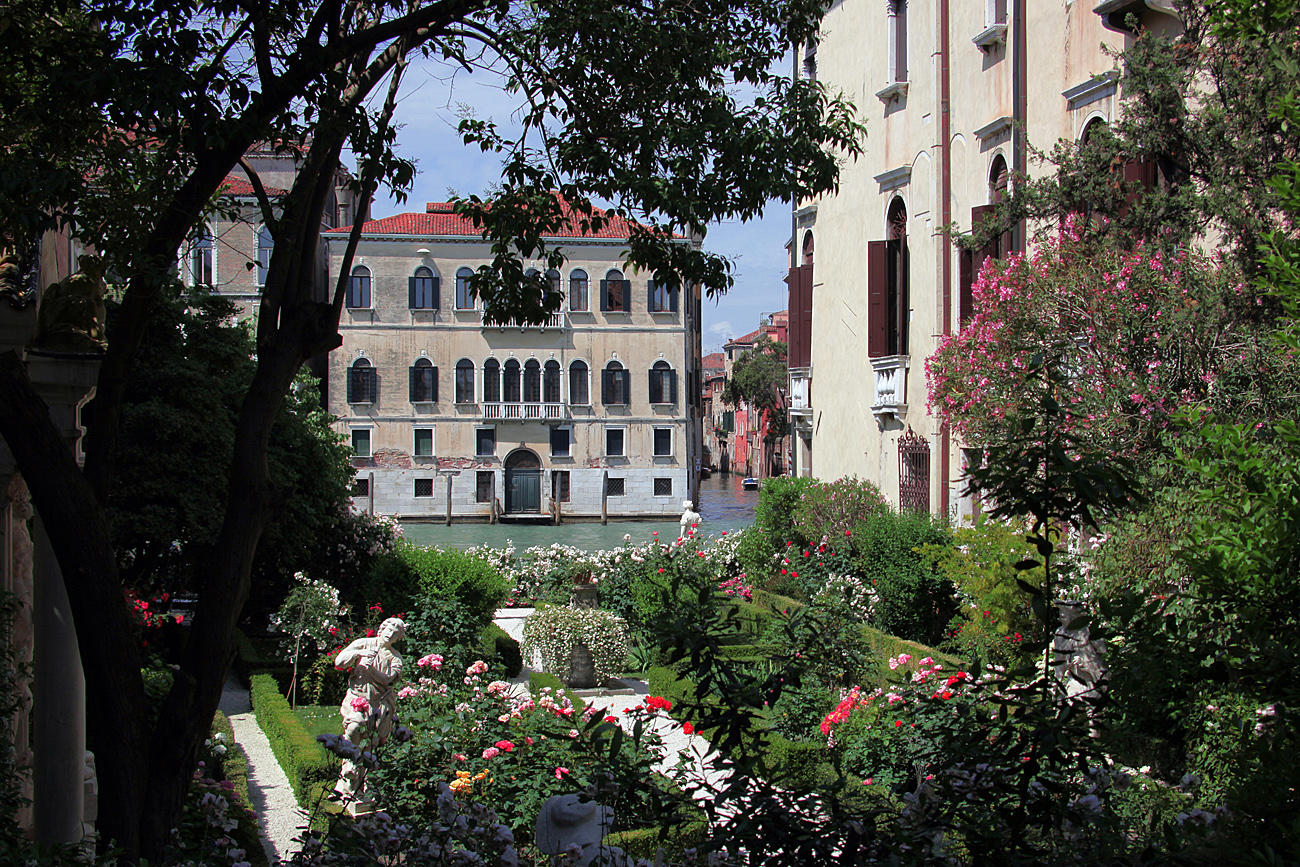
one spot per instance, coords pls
(311, 770)
(502, 649)
(234, 764)
(645, 842)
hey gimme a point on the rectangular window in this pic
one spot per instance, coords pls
(464, 298)
(363, 383)
(359, 291)
(361, 487)
(615, 487)
(560, 486)
(616, 386)
(560, 438)
(664, 487)
(887, 298)
(996, 12)
(578, 395)
(485, 442)
(423, 291)
(424, 487)
(663, 442)
(361, 442)
(614, 445)
(578, 293)
(616, 295)
(663, 298)
(424, 442)
(424, 382)
(898, 39)
(483, 485)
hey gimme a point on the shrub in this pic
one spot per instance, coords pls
(915, 598)
(554, 630)
(799, 711)
(646, 842)
(540, 680)
(830, 511)
(413, 572)
(312, 771)
(500, 648)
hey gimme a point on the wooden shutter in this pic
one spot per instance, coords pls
(672, 387)
(904, 323)
(626, 376)
(370, 378)
(627, 296)
(606, 386)
(433, 384)
(656, 386)
(416, 397)
(672, 298)
(410, 294)
(604, 296)
(650, 297)
(354, 384)
(437, 293)
(877, 308)
(1141, 172)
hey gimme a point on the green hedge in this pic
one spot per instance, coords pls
(883, 646)
(259, 657)
(644, 843)
(502, 649)
(311, 770)
(538, 680)
(774, 602)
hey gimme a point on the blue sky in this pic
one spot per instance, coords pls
(428, 112)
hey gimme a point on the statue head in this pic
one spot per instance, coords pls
(567, 819)
(392, 629)
(687, 505)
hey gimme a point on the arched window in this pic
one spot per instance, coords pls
(578, 291)
(532, 381)
(201, 257)
(363, 382)
(464, 300)
(510, 382)
(663, 383)
(265, 244)
(579, 393)
(551, 382)
(615, 292)
(424, 381)
(552, 283)
(896, 299)
(464, 381)
(897, 40)
(359, 288)
(616, 385)
(998, 180)
(491, 381)
(808, 248)
(424, 290)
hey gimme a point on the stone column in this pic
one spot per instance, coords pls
(66, 382)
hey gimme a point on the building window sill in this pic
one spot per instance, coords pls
(892, 92)
(994, 34)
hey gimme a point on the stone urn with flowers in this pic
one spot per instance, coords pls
(582, 665)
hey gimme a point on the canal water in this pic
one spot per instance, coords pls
(724, 505)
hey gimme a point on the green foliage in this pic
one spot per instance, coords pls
(538, 681)
(915, 599)
(799, 711)
(312, 771)
(234, 763)
(412, 571)
(994, 619)
(501, 650)
(759, 378)
(829, 512)
(647, 842)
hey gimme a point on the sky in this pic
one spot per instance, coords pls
(428, 113)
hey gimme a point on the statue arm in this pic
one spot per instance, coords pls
(354, 653)
(387, 668)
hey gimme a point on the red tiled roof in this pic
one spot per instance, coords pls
(238, 185)
(439, 219)
(751, 338)
(713, 360)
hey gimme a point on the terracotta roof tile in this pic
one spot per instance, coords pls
(238, 185)
(439, 219)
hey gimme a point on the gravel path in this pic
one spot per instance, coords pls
(268, 787)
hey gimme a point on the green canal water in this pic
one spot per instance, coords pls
(724, 505)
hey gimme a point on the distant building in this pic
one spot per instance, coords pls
(749, 450)
(713, 371)
(595, 412)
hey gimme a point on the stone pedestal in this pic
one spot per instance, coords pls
(66, 383)
(582, 668)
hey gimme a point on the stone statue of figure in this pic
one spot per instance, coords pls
(370, 705)
(567, 823)
(70, 317)
(690, 517)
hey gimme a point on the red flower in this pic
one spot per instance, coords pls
(794, 574)
(848, 532)
(370, 633)
(946, 695)
(783, 572)
(611, 719)
(688, 728)
(505, 746)
(898, 723)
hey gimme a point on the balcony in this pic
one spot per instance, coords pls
(524, 411)
(801, 410)
(554, 322)
(890, 373)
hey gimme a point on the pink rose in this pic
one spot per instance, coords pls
(560, 772)
(360, 704)
(491, 753)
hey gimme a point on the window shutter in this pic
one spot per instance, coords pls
(604, 296)
(370, 377)
(415, 382)
(877, 308)
(904, 298)
(656, 386)
(433, 384)
(354, 384)
(672, 299)
(627, 296)
(606, 386)
(650, 296)
(672, 387)
(626, 376)
(966, 279)
(410, 293)
(437, 293)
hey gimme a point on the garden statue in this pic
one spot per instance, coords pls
(71, 314)
(690, 518)
(568, 824)
(370, 706)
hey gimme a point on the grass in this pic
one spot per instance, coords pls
(320, 719)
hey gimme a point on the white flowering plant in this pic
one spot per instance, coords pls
(554, 630)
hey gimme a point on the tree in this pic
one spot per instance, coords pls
(633, 103)
(759, 378)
